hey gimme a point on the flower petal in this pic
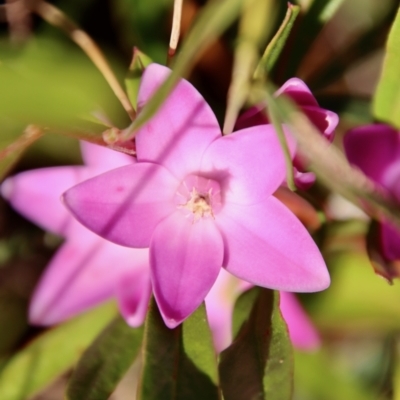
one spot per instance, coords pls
(185, 258)
(124, 205)
(249, 164)
(326, 121)
(267, 245)
(36, 195)
(298, 91)
(372, 148)
(302, 332)
(183, 127)
(83, 273)
(133, 294)
(390, 238)
(251, 117)
(103, 158)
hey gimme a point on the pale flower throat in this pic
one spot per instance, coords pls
(198, 197)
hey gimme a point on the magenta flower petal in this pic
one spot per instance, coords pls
(126, 204)
(83, 273)
(390, 241)
(325, 121)
(185, 121)
(102, 158)
(266, 244)
(302, 332)
(229, 155)
(133, 294)
(36, 195)
(298, 91)
(373, 148)
(185, 259)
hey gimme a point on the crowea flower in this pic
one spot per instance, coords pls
(200, 201)
(324, 120)
(220, 303)
(87, 269)
(375, 149)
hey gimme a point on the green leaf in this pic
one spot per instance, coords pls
(139, 62)
(387, 97)
(105, 362)
(51, 354)
(178, 364)
(275, 46)
(214, 18)
(259, 363)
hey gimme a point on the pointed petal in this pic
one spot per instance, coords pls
(36, 195)
(372, 148)
(126, 204)
(133, 294)
(249, 164)
(103, 158)
(298, 91)
(83, 273)
(267, 245)
(302, 332)
(183, 127)
(185, 258)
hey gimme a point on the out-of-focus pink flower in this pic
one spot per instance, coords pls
(87, 269)
(220, 302)
(324, 120)
(200, 201)
(375, 149)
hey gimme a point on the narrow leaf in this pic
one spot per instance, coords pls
(139, 62)
(259, 363)
(387, 97)
(174, 368)
(105, 362)
(275, 46)
(51, 354)
(255, 24)
(314, 19)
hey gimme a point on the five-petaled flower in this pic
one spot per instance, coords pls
(324, 120)
(87, 269)
(375, 149)
(200, 201)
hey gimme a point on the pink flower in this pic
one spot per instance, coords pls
(220, 302)
(200, 201)
(375, 149)
(325, 120)
(86, 269)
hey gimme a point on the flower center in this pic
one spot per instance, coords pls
(198, 197)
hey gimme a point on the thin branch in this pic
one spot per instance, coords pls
(175, 30)
(56, 17)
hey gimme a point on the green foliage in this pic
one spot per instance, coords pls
(178, 364)
(51, 354)
(52, 85)
(104, 363)
(259, 363)
(387, 97)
